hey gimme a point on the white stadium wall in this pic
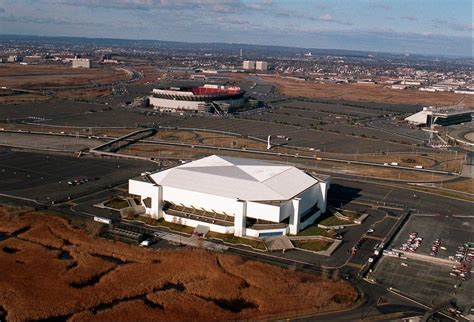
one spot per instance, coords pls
(195, 223)
(323, 194)
(263, 211)
(177, 105)
(147, 190)
(201, 200)
(308, 198)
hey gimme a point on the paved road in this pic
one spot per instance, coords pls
(384, 192)
(252, 151)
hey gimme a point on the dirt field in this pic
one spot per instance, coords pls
(209, 138)
(33, 77)
(38, 76)
(52, 270)
(464, 185)
(363, 92)
(469, 136)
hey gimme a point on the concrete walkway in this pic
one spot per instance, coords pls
(193, 241)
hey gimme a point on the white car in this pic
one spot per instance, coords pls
(146, 242)
(404, 264)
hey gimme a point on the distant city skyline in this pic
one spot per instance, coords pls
(435, 27)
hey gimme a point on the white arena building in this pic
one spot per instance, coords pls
(236, 196)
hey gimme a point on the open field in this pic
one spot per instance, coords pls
(209, 138)
(52, 270)
(461, 184)
(469, 136)
(36, 77)
(40, 76)
(363, 92)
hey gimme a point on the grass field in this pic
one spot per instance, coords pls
(314, 245)
(333, 221)
(54, 271)
(255, 243)
(117, 203)
(314, 230)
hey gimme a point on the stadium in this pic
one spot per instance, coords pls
(232, 195)
(208, 98)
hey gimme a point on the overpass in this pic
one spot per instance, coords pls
(124, 141)
(437, 308)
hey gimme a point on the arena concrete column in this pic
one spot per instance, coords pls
(157, 202)
(240, 219)
(324, 194)
(295, 216)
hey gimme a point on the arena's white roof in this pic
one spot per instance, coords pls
(245, 179)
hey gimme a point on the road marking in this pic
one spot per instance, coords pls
(374, 237)
(355, 265)
(386, 195)
(386, 317)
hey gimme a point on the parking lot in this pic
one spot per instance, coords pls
(47, 142)
(452, 232)
(429, 283)
(45, 177)
(298, 120)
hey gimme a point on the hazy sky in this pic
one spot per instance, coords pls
(406, 26)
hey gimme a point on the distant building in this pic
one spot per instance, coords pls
(442, 116)
(110, 61)
(248, 65)
(81, 63)
(14, 58)
(466, 91)
(261, 65)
